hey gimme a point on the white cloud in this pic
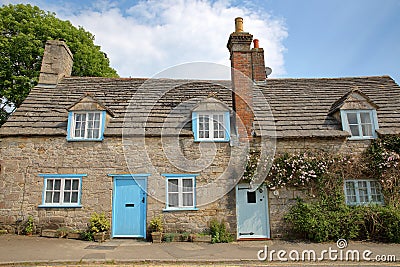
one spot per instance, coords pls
(150, 36)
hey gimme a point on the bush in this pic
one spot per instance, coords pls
(218, 232)
(381, 224)
(318, 222)
(98, 223)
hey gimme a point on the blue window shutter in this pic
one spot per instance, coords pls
(69, 127)
(194, 126)
(227, 126)
(103, 124)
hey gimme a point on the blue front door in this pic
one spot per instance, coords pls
(129, 206)
(252, 212)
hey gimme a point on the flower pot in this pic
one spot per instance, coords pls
(156, 237)
(99, 237)
(74, 236)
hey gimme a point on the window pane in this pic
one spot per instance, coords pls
(363, 191)
(96, 134)
(173, 200)
(251, 197)
(56, 197)
(352, 118)
(350, 192)
(67, 196)
(49, 184)
(172, 185)
(187, 185)
(74, 198)
(365, 117)
(354, 130)
(75, 184)
(188, 199)
(48, 197)
(57, 184)
(367, 129)
(376, 194)
(67, 185)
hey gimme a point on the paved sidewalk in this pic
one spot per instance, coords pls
(24, 250)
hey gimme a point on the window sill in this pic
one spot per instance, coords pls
(85, 140)
(180, 209)
(211, 141)
(60, 206)
(361, 138)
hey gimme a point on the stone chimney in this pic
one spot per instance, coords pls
(56, 64)
(248, 68)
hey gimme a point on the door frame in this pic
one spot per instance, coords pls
(141, 181)
(266, 206)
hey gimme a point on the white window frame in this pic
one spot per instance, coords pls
(225, 124)
(62, 178)
(72, 125)
(180, 192)
(357, 192)
(346, 126)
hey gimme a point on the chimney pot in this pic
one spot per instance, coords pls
(239, 24)
(256, 43)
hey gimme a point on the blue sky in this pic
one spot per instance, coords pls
(309, 38)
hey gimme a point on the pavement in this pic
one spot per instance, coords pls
(40, 251)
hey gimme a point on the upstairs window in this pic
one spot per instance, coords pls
(87, 125)
(361, 124)
(211, 126)
(361, 192)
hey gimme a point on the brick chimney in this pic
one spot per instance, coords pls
(56, 64)
(248, 68)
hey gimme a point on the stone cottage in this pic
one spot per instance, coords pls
(137, 148)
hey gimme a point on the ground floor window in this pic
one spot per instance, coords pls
(360, 192)
(62, 190)
(181, 192)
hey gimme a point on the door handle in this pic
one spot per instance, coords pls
(129, 205)
(251, 233)
(143, 200)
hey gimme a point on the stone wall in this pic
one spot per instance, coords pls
(281, 200)
(23, 159)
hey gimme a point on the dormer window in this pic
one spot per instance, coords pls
(357, 113)
(361, 124)
(211, 126)
(211, 121)
(86, 125)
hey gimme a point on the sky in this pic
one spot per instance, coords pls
(301, 39)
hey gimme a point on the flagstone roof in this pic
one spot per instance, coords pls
(299, 107)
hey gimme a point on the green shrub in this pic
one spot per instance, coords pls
(318, 222)
(87, 235)
(218, 232)
(381, 224)
(98, 223)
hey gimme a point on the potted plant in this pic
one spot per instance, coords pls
(29, 226)
(156, 228)
(99, 225)
(74, 234)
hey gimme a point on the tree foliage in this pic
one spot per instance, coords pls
(24, 30)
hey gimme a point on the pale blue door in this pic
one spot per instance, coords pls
(129, 206)
(252, 212)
